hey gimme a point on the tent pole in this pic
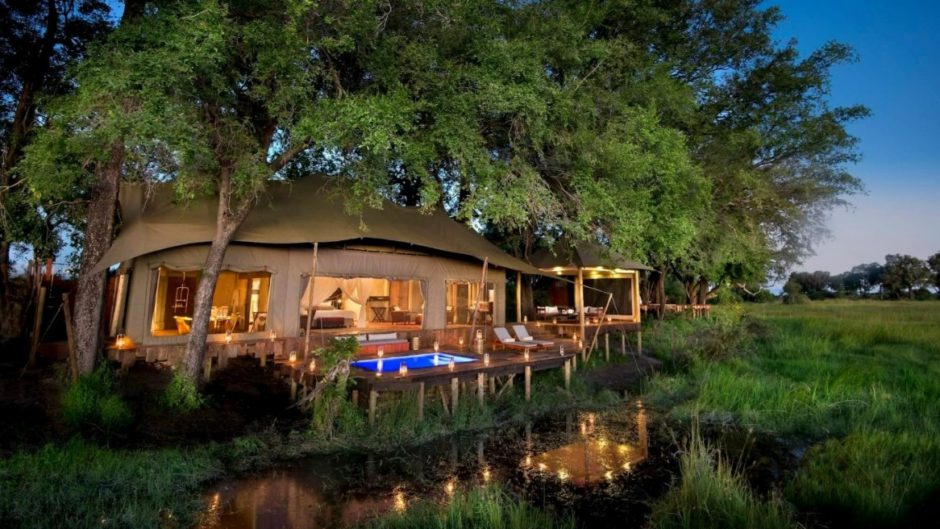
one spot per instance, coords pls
(519, 296)
(600, 325)
(579, 300)
(313, 278)
(476, 303)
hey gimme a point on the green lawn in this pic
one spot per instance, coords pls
(856, 381)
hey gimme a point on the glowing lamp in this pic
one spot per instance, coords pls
(561, 350)
(574, 337)
(479, 335)
(378, 366)
(272, 335)
(525, 319)
(437, 346)
(293, 356)
(402, 369)
(526, 355)
(228, 336)
(381, 352)
(580, 344)
(313, 366)
(460, 342)
(451, 364)
(120, 341)
(486, 359)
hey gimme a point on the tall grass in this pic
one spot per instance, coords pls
(83, 486)
(490, 507)
(92, 402)
(711, 495)
(857, 380)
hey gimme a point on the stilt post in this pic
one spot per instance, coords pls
(420, 401)
(481, 388)
(373, 400)
(567, 368)
(607, 346)
(454, 395)
(528, 383)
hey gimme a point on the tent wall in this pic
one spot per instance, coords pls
(289, 266)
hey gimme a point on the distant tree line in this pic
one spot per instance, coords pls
(900, 277)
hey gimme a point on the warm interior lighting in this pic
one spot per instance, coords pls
(563, 474)
(293, 356)
(460, 341)
(228, 336)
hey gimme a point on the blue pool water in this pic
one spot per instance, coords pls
(418, 361)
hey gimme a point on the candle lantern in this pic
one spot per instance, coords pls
(451, 364)
(526, 355)
(561, 350)
(437, 346)
(228, 336)
(460, 342)
(120, 341)
(381, 352)
(272, 335)
(293, 356)
(486, 359)
(525, 319)
(581, 345)
(313, 366)
(402, 369)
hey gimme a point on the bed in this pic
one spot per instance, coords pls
(330, 318)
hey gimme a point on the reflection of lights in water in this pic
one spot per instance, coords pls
(608, 475)
(527, 461)
(563, 474)
(602, 442)
(542, 466)
(626, 466)
(400, 504)
(583, 428)
(591, 419)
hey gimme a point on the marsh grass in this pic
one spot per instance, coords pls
(92, 402)
(711, 495)
(859, 381)
(82, 485)
(490, 507)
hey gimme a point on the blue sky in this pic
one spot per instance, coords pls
(898, 77)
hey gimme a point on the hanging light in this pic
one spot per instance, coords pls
(181, 297)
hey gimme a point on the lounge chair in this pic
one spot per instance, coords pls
(523, 334)
(507, 341)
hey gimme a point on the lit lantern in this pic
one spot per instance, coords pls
(609, 319)
(381, 352)
(460, 342)
(554, 320)
(486, 474)
(451, 364)
(574, 337)
(293, 356)
(228, 336)
(479, 335)
(402, 369)
(561, 350)
(450, 487)
(120, 341)
(486, 359)
(581, 345)
(526, 355)
(525, 319)
(437, 346)
(538, 323)
(272, 335)
(313, 366)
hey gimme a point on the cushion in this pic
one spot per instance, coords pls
(383, 336)
(551, 310)
(362, 337)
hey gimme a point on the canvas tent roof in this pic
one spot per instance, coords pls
(301, 212)
(568, 256)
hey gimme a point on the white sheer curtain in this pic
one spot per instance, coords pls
(323, 287)
(358, 291)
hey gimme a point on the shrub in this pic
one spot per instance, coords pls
(92, 401)
(182, 395)
(490, 507)
(711, 495)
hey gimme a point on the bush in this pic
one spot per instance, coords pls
(93, 401)
(489, 507)
(83, 486)
(181, 394)
(711, 495)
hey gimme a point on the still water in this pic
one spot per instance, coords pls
(604, 467)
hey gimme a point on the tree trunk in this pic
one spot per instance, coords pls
(227, 222)
(703, 291)
(89, 295)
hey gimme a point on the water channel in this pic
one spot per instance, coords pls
(605, 467)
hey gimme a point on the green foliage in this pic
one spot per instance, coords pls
(490, 507)
(181, 394)
(711, 495)
(904, 274)
(84, 486)
(92, 401)
(332, 408)
(855, 376)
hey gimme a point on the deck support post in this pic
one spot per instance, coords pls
(528, 383)
(354, 397)
(373, 400)
(623, 343)
(481, 388)
(492, 381)
(454, 395)
(607, 346)
(293, 387)
(639, 343)
(574, 363)
(567, 369)
(420, 401)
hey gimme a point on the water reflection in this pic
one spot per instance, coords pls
(593, 457)
(545, 461)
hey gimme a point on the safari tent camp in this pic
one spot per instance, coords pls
(393, 268)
